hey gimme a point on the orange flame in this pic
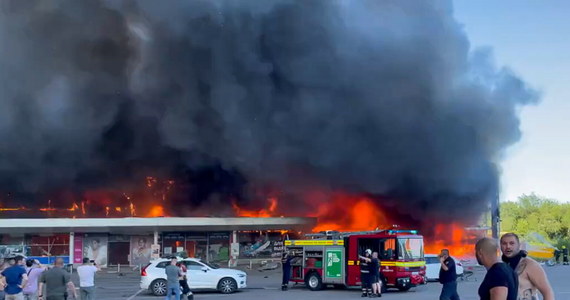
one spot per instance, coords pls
(453, 237)
(263, 213)
(156, 211)
(12, 208)
(132, 209)
(349, 213)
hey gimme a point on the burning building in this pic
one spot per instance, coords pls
(360, 114)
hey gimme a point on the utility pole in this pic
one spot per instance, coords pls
(495, 216)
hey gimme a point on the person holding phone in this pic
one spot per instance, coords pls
(447, 276)
(86, 274)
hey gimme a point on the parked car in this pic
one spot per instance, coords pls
(433, 266)
(201, 276)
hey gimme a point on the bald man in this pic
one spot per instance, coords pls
(500, 282)
(57, 281)
(531, 276)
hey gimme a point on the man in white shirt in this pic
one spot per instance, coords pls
(86, 274)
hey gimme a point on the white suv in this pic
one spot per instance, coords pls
(201, 276)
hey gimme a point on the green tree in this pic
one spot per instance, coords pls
(533, 213)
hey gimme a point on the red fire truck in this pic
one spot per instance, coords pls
(331, 258)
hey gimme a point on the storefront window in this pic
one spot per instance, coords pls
(173, 244)
(219, 247)
(264, 244)
(53, 245)
(197, 244)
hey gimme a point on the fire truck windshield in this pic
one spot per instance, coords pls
(410, 248)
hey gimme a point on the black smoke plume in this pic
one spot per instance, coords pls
(234, 99)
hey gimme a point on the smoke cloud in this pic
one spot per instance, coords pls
(238, 98)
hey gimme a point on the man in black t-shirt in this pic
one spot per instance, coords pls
(447, 277)
(375, 275)
(501, 282)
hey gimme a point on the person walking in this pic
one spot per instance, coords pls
(500, 282)
(86, 274)
(34, 270)
(447, 276)
(375, 275)
(556, 256)
(564, 255)
(365, 273)
(286, 263)
(531, 276)
(57, 281)
(184, 280)
(172, 280)
(15, 278)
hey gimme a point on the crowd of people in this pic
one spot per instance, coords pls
(22, 279)
(512, 276)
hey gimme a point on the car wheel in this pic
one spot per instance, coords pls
(227, 285)
(158, 287)
(314, 282)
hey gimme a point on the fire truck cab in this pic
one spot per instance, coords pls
(332, 258)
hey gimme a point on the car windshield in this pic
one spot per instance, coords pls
(211, 265)
(410, 248)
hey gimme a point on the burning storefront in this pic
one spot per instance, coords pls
(134, 241)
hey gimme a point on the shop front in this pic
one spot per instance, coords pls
(120, 242)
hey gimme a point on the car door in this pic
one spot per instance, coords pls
(210, 277)
(432, 268)
(194, 275)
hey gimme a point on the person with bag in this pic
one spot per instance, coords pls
(34, 271)
(57, 282)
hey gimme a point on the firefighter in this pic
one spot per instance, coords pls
(365, 273)
(556, 256)
(564, 255)
(286, 262)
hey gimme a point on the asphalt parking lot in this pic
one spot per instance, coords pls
(265, 285)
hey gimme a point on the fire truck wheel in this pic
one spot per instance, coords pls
(314, 282)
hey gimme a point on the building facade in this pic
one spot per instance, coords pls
(135, 241)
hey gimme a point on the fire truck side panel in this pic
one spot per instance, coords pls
(333, 271)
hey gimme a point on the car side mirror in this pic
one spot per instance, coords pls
(205, 269)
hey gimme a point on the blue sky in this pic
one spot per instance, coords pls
(533, 39)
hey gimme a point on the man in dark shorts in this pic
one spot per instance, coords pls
(365, 273)
(375, 276)
(57, 281)
(447, 276)
(501, 282)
